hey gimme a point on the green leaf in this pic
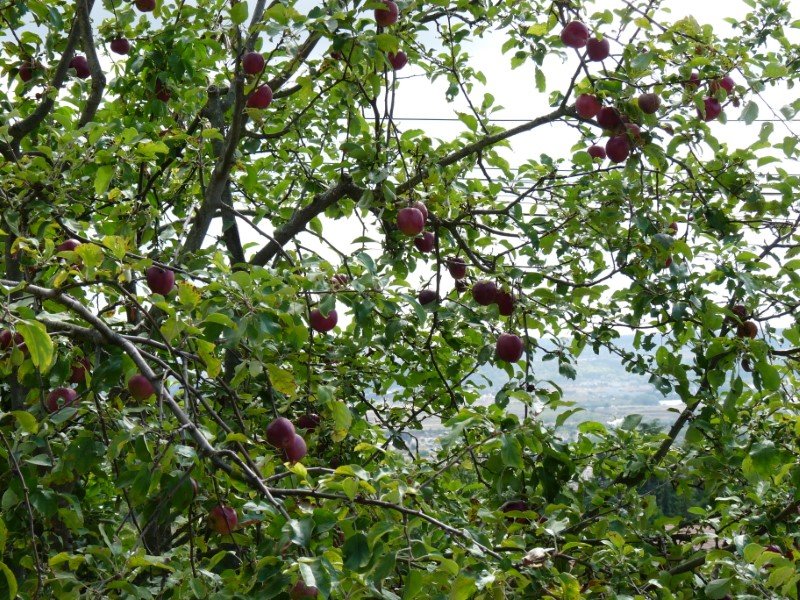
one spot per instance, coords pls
(26, 420)
(102, 178)
(39, 344)
(356, 552)
(11, 581)
(239, 12)
(750, 112)
(462, 588)
(769, 375)
(342, 419)
(511, 451)
(718, 588)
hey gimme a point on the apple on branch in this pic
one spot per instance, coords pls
(323, 323)
(387, 14)
(509, 347)
(140, 387)
(223, 519)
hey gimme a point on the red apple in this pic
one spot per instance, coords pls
(618, 148)
(398, 61)
(8, 339)
(253, 63)
(726, 83)
(609, 118)
(693, 82)
(514, 506)
(649, 103)
(261, 98)
(739, 311)
(223, 519)
(146, 5)
(79, 370)
(672, 228)
(420, 206)
(296, 449)
(26, 71)
(320, 322)
(68, 245)
(140, 387)
(457, 268)
(587, 106)
(596, 151)
(427, 297)
(668, 262)
(509, 347)
(60, 398)
(575, 34)
(308, 421)
(712, 109)
(162, 91)
(426, 242)
(748, 329)
(634, 133)
(339, 280)
(81, 66)
(505, 302)
(120, 45)
(280, 432)
(598, 50)
(410, 221)
(160, 280)
(484, 292)
(388, 14)
(301, 590)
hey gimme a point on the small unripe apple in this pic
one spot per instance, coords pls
(296, 449)
(587, 106)
(322, 323)
(410, 221)
(609, 118)
(509, 347)
(140, 387)
(79, 370)
(120, 45)
(261, 98)
(398, 61)
(596, 151)
(748, 329)
(300, 590)
(68, 245)
(484, 292)
(618, 148)
(60, 398)
(253, 63)
(26, 71)
(598, 50)
(426, 242)
(649, 103)
(388, 14)
(427, 297)
(223, 519)
(575, 34)
(713, 109)
(421, 207)
(280, 432)
(81, 66)
(160, 280)
(505, 302)
(457, 268)
(146, 5)
(308, 421)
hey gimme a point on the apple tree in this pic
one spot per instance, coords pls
(236, 286)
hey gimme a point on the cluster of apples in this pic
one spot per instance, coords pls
(745, 328)
(385, 16)
(281, 434)
(253, 64)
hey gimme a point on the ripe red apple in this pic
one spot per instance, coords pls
(120, 45)
(260, 98)
(320, 322)
(596, 151)
(60, 398)
(739, 311)
(160, 280)
(509, 347)
(339, 280)
(300, 590)
(618, 148)
(693, 82)
(726, 83)
(426, 242)
(598, 50)
(410, 221)
(223, 519)
(140, 387)
(162, 91)
(253, 63)
(398, 61)
(79, 370)
(748, 329)
(712, 109)
(505, 302)
(513, 506)
(296, 449)
(388, 14)
(420, 206)
(146, 5)
(26, 71)
(609, 119)
(427, 297)
(68, 245)
(649, 103)
(587, 106)
(81, 66)
(575, 34)
(8, 339)
(668, 262)
(280, 432)
(484, 292)
(672, 228)
(457, 268)
(308, 421)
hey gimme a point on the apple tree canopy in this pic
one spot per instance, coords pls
(240, 274)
